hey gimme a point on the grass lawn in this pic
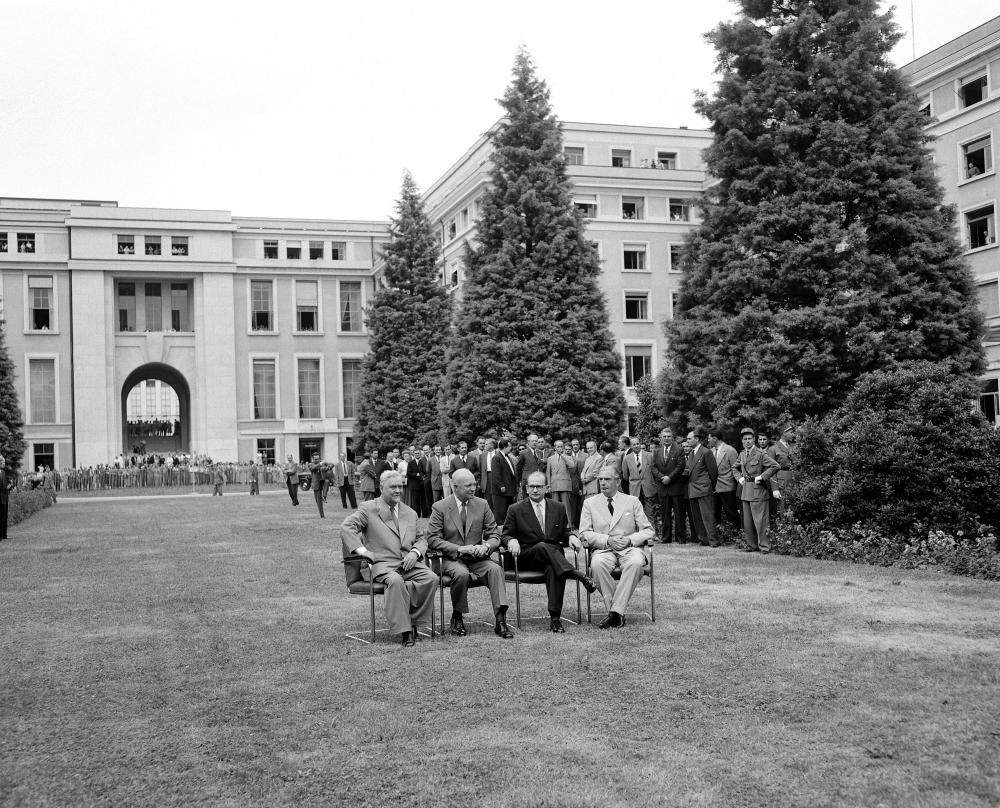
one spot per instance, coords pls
(186, 651)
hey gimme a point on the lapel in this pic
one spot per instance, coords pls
(617, 515)
(534, 517)
(456, 516)
(386, 514)
(550, 518)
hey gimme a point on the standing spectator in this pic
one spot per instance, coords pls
(343, 477)
(701, 473)
(220, 479)
(592, 464)
(254, 479)
(486, 470)
(291, 469)
(366, 471)
(437, 490)
(726, 503)
(669, 463)
(504, 480)
(639, 477)
(316, 469)
(445, 463)
(7, 483)
(426, 473)
(528, 462)
(754, 469)
(464, 460)
(329, 478)
(559, 471)
(781, 453)
(580, 457)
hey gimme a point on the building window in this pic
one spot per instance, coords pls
(270, 249)
(293, 249)
(264, 386)
(154, 307)
(679, 210)
(307, 305)
(989, 301)
(973, 90)
(126, 306)
(265, 448)
(637, 305)
(634, 256)
(925, 106)
(989, 400)
(351, 385)
(180, 311)
(465, 219)
(44, 454)
(980, 226)
(632, 207)
(977, 156)
(350, 306)
(25, 242)
(454, 278)
(338, 250)
(452, 229)
(638, 363)
(178, 245)
(261, 306)
(674, 299)
(666, 159)
(42, 389)
(587, 207)
(676, 252)
(126, 245)
(3, 242)
(315, 250)
(152, 245)
(309, 389)
(621, 158)
(573, 155)
(40, 303)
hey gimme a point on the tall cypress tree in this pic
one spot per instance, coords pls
(407, 324)
(532, 347)
(11, 419)
(825, 250)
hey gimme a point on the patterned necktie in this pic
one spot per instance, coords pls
(611, 506)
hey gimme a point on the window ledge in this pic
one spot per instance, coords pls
(260, 333)
(44, 331)
(647, 320)
(985, 247)
(991, 173)
(351, 333)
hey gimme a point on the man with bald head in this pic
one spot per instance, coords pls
(384, 531)
(463, 529)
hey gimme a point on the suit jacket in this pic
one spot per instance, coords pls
(576, 472)
(753, 463)
(483, 476)
(435, 462)
(522, 524)
(424, 464)
(588, 477)
(558, 472)
(369, 482)
(469, 463)
(528, 463)
(782, 455)
(339, 478)
(597, 524)
(504, 480)
(371, 525)
(640, 480)
(703, 473)
(381, 467)
(413, 475)
(725, 458)
(444, 531)
(670, 464)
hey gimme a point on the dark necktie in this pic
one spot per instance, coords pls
(611, 506)
(463, 519)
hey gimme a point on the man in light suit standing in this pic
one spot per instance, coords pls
(559, 470)
(369, 482)
(754, 470)
(445, 462)
(726, 504)
(437, 488)
(343, 477)
(486, 460)
(592, 464)
(701, 473)
(638, 474)
(614, 525)
(384, 531)
(463, 529)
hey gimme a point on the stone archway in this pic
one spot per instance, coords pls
(174, 436)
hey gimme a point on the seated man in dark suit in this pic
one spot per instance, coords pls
(535, 532)
(462, 527)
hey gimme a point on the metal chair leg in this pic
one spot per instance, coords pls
(576, 566)
(517, 593)
(371, 594)
(588, 594)
(652, 588)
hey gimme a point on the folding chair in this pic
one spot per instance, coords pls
(357, 570)
(647, 572)
(511, 572)
(444, 582)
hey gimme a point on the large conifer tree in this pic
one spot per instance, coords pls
(408, 326)
(11, 419)
(825, 250)
(532, 347)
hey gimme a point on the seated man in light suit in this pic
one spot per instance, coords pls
(384, 531)
(462, 527)
(615, 526)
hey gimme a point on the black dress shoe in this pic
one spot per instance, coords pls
(407, 639)
(613, 620)
(556, 626)
(753, 549)
(588, 584)
(502, 629)
(458, 625)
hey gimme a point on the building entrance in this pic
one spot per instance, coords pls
(156, 411)
(309, 445)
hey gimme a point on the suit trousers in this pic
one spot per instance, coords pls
(565, 498)
(548, 558)
(292, 484)
(325, 488)
(727, 508)
(409, 595)
(446, 485)
(756, 519)
(617, 594)
(501, 505)
(318, 494)
(438, 495)
(461, 571)
(649, 508)
(703, 519)
(674, 512)
(347, 493)
(3, 521)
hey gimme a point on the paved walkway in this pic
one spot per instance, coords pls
(188, 495)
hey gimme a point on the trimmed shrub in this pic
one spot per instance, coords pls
(23, 504)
